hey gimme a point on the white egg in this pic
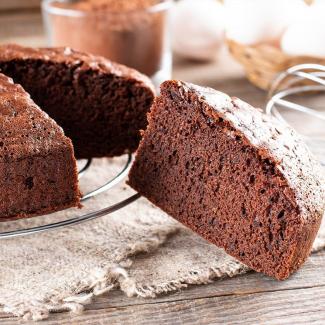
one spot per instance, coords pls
(318, 3)
(198, 28)
(317, 9)
(256, 21)
(305, 37)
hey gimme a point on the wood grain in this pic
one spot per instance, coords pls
(300, 306)
(245, 291)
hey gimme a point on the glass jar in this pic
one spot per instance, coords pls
(137, 37)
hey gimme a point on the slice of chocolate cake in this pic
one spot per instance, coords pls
(237, 177)
(38, 170)
(100, 105)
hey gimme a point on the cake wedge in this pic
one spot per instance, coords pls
(101, 105)
(38, 172)
(240, 179)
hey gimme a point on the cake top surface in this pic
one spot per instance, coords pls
(274, 140)
(68, 56)
(25, 129)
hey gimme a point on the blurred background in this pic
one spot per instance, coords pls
(264, 37)
(236, 46)
(21, 20)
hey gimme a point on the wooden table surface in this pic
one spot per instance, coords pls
(247, 299)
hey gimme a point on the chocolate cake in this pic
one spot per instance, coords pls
(38, 170)
(100, 105)
(240, 179)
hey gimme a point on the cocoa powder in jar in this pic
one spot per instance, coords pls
(130, 32)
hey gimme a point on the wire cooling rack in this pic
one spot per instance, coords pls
(116, 179)
(294, 81)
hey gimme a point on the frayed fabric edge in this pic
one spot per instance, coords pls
(101, 283)
(131, 288)
(233, 268)
(117, 277)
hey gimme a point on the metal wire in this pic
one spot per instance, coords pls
(84, 169)
(72, 221)
(115, 180)
(86, 217)
(293, 82)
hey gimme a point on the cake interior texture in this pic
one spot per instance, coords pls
(197, 167)
(101, 112)
(38, 171)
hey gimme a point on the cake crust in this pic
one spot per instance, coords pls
(239, 178)
(75, 58)
(38, 169)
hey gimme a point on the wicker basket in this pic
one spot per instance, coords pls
(263, 62)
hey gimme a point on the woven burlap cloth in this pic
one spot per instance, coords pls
(139, 250)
